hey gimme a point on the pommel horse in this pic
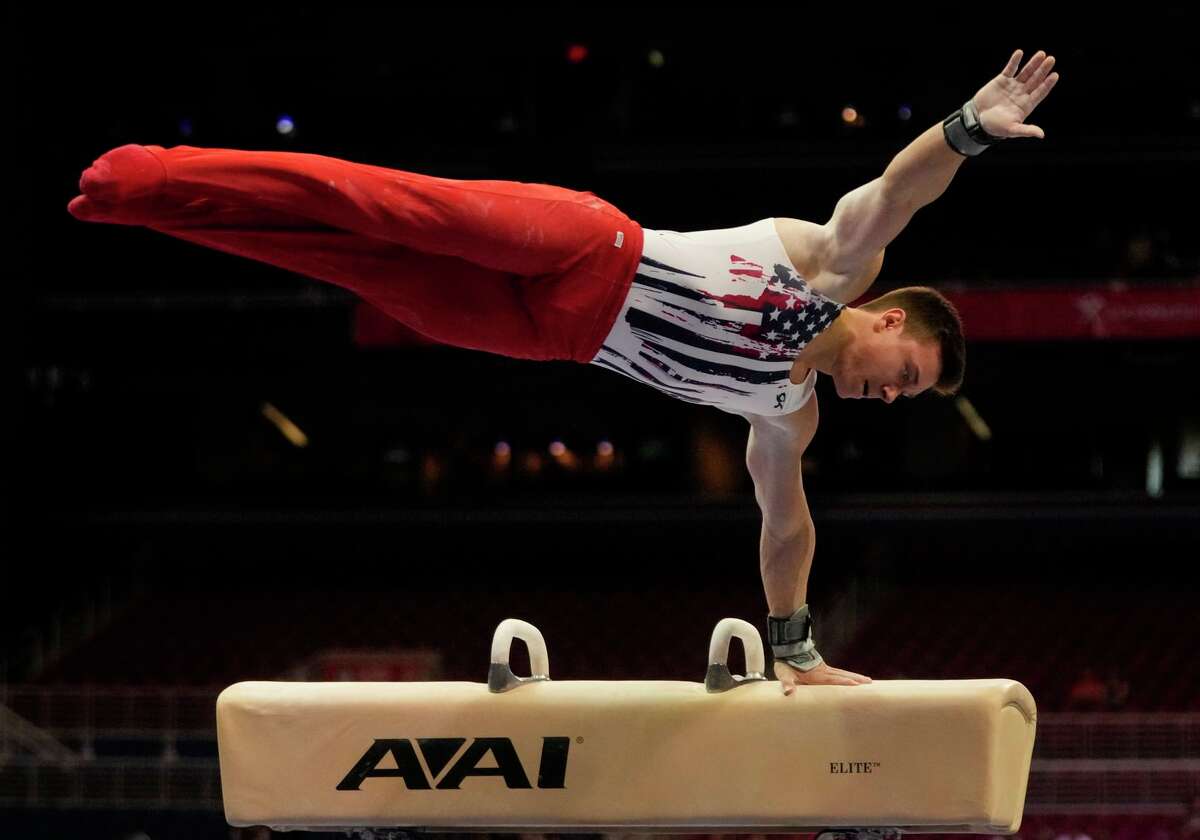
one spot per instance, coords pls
(531, 754)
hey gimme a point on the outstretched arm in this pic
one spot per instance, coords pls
(866, 219)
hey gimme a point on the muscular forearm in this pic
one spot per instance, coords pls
(923, 169)
(785, 565)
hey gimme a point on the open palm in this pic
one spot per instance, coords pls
(823, 674)
(1006, 101)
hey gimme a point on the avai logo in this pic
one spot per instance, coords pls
(438, 752)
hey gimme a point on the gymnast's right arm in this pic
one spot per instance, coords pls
(773, 457)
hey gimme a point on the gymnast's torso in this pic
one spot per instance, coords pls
(717, 317)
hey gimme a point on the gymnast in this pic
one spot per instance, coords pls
(742, 319)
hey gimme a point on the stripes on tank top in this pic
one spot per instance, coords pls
(717, 318)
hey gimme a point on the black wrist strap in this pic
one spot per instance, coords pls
(790, 635)
(965, 134)
(792, 640)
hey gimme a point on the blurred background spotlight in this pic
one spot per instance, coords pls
(185, 127)
(501, 455)
(605, 455)
(285, 426)
(904, 113)
(656, 59)
(577, 53)
(563, 456)
(974, 420)
(1154, 470)
(285, 126)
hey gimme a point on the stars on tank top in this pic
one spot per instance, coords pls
(792, 314)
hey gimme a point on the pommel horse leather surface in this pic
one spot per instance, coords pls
(921, 755)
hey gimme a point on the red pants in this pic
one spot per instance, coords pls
(531, 271)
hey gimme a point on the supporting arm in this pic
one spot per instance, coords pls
(773, 456)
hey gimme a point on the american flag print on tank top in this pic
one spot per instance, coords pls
(717, 318)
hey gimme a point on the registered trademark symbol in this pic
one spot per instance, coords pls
(579, 740)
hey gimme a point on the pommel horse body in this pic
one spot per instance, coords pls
(730, 754)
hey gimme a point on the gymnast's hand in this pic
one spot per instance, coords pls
(823, 674)
(1007, 100)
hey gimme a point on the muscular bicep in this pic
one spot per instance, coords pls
(864, 221)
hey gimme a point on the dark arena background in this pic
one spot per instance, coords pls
(220, 471)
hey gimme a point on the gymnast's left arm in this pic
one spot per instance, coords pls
(774, 455)
(866, 219)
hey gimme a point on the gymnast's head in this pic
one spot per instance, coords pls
(901, 344)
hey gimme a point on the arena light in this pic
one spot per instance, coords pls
(974, 421)
(577, 53)
(1154, 471)
(605, 456)
(656, 58)
(286, 427)
(501, 455)
(285, 126)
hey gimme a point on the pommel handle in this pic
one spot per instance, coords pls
(500, 675)
(718, 677)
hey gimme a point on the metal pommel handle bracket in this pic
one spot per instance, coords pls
(718, 677)
(500, 675)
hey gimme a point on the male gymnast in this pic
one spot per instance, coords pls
(742, 319)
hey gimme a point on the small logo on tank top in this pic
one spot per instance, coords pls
(620, 239)
(779, 400)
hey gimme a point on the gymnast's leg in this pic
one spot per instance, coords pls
(523, 270)
(522, 229)
(444, 298)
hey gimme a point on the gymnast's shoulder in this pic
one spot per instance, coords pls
(807, 245)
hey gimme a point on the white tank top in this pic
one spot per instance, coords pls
(717, 317)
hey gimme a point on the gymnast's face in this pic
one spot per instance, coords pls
(881, 362)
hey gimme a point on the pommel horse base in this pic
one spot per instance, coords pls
(529, 754)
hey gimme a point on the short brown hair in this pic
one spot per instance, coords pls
(930, 317)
